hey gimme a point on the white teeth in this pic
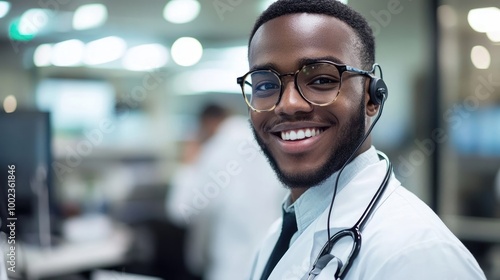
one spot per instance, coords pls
(300, 134)
(308, 133)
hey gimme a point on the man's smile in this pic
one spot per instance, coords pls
(300, 134)
(297, 137)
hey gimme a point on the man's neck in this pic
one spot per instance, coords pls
(296, 193)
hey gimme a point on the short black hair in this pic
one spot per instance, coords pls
(325, 7)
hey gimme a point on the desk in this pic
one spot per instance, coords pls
(70, 258)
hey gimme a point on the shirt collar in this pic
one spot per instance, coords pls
(316, 199)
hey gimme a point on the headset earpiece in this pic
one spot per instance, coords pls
(378, 91)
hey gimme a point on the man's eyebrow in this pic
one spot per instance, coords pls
(265, 66)
(309, 60)
(301, 62)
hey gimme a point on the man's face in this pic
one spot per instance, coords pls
(330, 133)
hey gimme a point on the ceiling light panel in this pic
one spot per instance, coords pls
(484, 19)
(181, 11)
(42, 55)
(33, 20)
(494, 36)
(186, 51)
(480, 57)
(104, 50)
(145, 57)
(90, 16)
(4, 8)
(68, 53)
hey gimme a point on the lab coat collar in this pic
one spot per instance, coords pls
(350, 203)
(316, 199)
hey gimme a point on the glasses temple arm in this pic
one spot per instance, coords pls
(364, 72)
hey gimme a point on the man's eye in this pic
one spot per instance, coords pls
(323, 80)
(267, 86)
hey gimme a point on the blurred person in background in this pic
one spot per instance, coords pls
(210, 195)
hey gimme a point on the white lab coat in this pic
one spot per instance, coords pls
(234, 195)
(404, 239)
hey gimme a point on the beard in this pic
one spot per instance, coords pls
(350, 136)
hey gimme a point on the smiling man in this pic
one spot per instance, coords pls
(313, 98)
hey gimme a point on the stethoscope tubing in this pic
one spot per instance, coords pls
(324, 257)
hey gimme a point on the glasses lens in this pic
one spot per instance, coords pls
(262, 89)
(319, 83)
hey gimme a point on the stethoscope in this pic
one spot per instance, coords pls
(325, 256)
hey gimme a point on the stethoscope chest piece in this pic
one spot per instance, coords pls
(321, 263)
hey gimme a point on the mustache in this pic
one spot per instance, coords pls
(280, 119)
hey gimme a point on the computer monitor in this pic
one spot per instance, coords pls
(25, 147)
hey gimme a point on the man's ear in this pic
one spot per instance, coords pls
(371, 109)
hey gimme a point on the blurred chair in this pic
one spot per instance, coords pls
(157, 249)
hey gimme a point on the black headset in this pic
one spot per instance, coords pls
(378, 89)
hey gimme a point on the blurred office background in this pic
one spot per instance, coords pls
(124, 80)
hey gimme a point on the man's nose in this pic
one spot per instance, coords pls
(291, 101)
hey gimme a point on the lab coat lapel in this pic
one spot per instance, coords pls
(266, 249)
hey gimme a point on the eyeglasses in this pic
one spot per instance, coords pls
(318, 83)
